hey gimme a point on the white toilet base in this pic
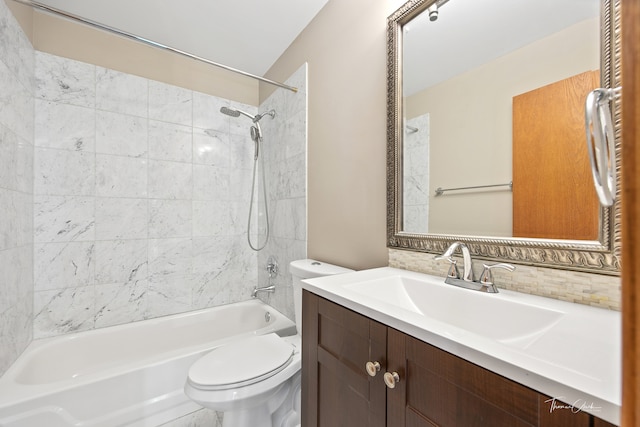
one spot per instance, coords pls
(257, 417)
(285, 414)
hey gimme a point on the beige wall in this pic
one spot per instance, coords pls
(83, 43)
(345, 47)
(471, 127)
(24, 16)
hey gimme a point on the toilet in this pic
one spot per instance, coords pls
(255, 381)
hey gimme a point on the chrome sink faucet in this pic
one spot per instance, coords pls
(467, 275)
(485, 284)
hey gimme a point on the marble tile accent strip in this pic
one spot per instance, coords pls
(573, 286)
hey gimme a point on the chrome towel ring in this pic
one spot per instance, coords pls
(601, 142)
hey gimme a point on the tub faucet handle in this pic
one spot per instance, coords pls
(272, 267)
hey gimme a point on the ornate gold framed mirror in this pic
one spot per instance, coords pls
(470, 140)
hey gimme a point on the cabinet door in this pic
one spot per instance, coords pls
(597, 422)
(337, 344)
(437, 388)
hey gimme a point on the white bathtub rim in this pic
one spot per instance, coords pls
(14, 393)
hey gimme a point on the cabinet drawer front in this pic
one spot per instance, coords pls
(414, 419)
(428, 363)
(448, 404)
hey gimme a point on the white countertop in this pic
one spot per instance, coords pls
(576, 360)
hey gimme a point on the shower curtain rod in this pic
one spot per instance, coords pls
(143, 40)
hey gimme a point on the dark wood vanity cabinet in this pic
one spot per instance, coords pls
(435, 388)
(336, 388)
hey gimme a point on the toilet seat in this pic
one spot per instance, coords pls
(241, 363)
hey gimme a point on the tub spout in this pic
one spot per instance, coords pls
(271, 288)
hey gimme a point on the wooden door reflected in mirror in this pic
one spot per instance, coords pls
(553, 194)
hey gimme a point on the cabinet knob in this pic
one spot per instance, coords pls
(391, 378)
(373, 368)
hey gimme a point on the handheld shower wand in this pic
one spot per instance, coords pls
(256, 137)
(256, 131)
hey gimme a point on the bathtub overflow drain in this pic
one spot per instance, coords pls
(267, 317)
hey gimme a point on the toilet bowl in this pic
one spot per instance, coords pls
(250, 380)
(256, 381)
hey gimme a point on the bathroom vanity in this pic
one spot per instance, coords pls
(439, 373)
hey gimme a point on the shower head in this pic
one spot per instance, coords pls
(255, 119)
(230, 112)
(235, 113)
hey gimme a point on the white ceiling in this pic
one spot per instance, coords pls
(249, 35)
(469, 33)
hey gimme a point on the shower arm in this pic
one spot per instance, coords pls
(76, 18)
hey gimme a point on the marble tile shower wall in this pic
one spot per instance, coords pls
(416, 178)
(16, 189)
(285, 148)
(140, 204)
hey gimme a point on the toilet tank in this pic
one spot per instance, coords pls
(307, 269)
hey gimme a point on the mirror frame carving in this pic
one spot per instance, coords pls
(602, 256)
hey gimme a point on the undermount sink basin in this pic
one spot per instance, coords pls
(495, 316)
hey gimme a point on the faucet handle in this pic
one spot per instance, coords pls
(453, 268)
(487, 277)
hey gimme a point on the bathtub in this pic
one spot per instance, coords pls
(126, 375)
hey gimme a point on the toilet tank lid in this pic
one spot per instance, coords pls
(308, 268)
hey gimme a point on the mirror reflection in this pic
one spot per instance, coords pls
(493, 113)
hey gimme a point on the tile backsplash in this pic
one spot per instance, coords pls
(578, 287)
